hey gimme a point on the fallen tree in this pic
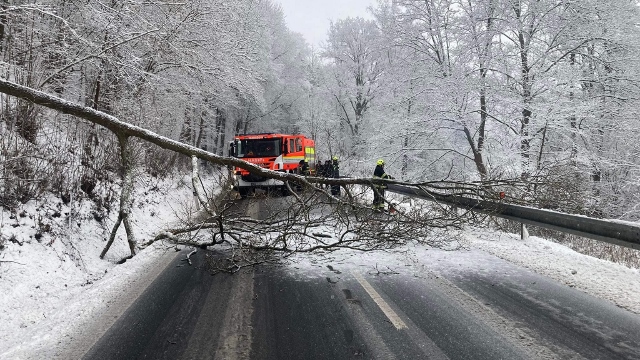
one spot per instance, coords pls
(294, 228)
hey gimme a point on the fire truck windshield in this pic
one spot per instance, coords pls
(258, 148)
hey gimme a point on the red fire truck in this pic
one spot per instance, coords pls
(278, 152)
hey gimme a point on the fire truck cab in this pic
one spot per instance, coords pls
(277, 152)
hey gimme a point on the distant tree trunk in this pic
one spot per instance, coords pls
(477, 154)
(222, 133)
(573, 122)
(96, 93)
(542, 143)
(405, 156)
(186, 133)
(245, 128)
(482, 41)
(525, 83)
(3, 22)
(360, 105)
(215, 138)
(477, 150)
(202, 131)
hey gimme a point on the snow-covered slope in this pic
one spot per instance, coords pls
(51, 277)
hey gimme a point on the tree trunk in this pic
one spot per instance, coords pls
(126, 196)
(222, 134)
(218, 147)
(3, 22)
(525, 82)
(477, 155)
(484, 56)
(112, 237)
(201, 132)
(573, 122)
(405, 156)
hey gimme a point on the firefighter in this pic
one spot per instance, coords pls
(378, 189)
(303, 168)
(321, 172)
(320, 169)
(326, 172)
(335, 173)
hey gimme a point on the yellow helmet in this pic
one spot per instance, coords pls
(334, 158)
(380, 162)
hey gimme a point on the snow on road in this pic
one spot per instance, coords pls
(600, 278)
(52, 286)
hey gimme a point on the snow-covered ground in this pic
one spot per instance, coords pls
(52, 285)
(603, 279)
(51, 277)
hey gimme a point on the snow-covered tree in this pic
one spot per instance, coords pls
(356, 64)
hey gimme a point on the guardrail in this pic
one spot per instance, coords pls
(623, 234)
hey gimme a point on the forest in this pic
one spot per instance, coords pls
(542, 92)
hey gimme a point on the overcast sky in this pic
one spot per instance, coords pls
(311, 18)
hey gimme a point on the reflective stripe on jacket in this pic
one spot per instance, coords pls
(379, 173)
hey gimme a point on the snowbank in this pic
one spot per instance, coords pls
(600, 278)
(50, 269)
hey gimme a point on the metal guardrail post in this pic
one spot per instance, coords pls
(622, 234)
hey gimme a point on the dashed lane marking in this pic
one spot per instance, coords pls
(386, 309)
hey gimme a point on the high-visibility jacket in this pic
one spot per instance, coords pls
(380, 174)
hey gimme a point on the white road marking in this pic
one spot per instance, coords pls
(386, 309)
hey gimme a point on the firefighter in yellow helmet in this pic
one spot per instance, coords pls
(378, 189)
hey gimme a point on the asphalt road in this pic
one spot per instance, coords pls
(461, 305)
(272, 312)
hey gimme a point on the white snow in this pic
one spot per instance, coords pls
(600, 278)
(50, 288)
(603, 279)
